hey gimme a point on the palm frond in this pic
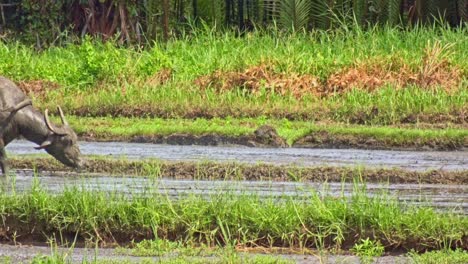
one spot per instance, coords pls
(429, 10)
(290, 14)
(462, 6)
(321, 12)
(393, 11)
(360, 10)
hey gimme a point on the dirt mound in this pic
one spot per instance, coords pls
(268, 136)
(37, 88)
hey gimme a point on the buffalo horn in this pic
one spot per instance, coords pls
(62, 116)
(49, 125)
(44, 144)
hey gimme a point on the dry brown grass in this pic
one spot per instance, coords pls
(260, 77)
(435, 71)
(160, 78)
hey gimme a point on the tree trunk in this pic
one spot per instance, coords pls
(195, 9)
(240, 13)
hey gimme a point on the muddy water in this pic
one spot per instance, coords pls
(444, 197)
(411, 160)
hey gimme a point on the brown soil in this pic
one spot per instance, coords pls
(235, 171)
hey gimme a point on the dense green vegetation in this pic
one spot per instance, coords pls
(318, 53)
(50, 23)
(184, 78)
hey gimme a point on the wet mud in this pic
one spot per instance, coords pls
(25, 253)
(264, 136)
(299, 157)
(237, 171)
(243, 163)
(323, 139)
(314, 113)
(319, 139)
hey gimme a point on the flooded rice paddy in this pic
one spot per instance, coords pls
(409, 160)
(441, 196)
(447, 197)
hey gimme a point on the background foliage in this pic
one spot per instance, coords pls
(142, 21)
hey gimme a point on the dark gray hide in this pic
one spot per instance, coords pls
(19, 118)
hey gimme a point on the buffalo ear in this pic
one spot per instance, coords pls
(44, 144)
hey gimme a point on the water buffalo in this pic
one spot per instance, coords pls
(19, 118)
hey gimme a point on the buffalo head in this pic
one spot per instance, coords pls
(62, 142)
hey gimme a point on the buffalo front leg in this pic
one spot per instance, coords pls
(3, 162)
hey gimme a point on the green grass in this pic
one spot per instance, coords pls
(226, 219)
(391, 106)
(441, 257)
(291, 131)
(106, 79)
